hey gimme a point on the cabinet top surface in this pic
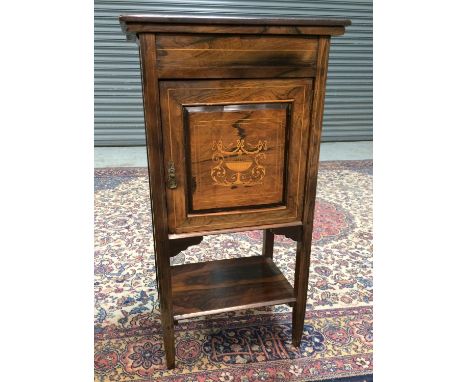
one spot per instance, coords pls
(136, 23)
(230, 20)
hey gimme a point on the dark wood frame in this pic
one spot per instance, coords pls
(172, 282)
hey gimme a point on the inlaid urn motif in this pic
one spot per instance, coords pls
(240, 165)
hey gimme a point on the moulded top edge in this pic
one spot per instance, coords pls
(232, 20)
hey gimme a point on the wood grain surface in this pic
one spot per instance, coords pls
(132, 25)
(167, 18)
(236, 155)
(225, 285)
(214, 56)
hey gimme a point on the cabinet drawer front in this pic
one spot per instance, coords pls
(238, 148)
(211, 56)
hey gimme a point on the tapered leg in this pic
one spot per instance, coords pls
(301, 282)
(165, 298)
(167, 318)
(268, 242)
(169, 344)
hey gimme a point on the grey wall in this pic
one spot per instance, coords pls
(118, 102)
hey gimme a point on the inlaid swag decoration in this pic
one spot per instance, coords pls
(238, 166)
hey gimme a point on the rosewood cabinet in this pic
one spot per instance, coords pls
(233, 118)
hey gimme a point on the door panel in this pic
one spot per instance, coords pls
(238, 148)
(236, 155)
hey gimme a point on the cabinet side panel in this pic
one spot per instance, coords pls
(316, 131)
(301, 276)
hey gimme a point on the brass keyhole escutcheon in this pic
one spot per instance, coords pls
(171, 175)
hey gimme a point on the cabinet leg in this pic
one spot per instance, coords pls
(169, 340)
(165, 296)
(301, 282)
(268, 242)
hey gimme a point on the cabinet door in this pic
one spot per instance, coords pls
(236, 150)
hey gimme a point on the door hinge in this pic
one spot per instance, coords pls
(171, 175)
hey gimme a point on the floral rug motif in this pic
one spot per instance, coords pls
(249, 345)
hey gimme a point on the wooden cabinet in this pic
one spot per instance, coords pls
(233, 114)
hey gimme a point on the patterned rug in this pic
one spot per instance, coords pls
(243, 346)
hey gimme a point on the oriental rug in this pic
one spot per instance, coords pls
(242, 346)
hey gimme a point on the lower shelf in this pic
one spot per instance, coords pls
(224, 285)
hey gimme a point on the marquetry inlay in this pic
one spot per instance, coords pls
(240, 165)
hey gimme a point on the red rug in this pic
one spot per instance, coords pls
(251, 345)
